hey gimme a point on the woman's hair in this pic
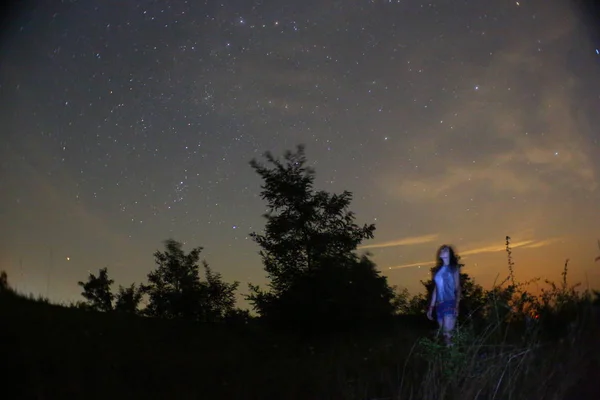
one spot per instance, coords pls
(452, 263)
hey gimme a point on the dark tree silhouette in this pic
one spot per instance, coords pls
(97, 291)
(219, 298)
(174, 287)
(4, 282)
(176, 291)
(402, 300)
(308, 251)
(473, 298)
(99, 296)
(411, 305)
(128, 299)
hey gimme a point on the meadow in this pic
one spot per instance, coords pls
(519, 346)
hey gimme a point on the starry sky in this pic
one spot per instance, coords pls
(126, 123)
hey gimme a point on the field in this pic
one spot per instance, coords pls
(56, 352)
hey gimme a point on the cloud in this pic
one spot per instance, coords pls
(487, 249)
(53, 197)
(542, 243)
(524, 169)
(418, 264)
(499, 178)
(497, 248)
(402, 242)
(522, 131)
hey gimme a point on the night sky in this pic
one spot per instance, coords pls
(125, 123)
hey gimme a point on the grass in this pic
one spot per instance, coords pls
(525, 347)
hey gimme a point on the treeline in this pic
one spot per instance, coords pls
(173, 290)
(316, 279)
(309, 252)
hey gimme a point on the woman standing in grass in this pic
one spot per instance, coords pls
(446, 291)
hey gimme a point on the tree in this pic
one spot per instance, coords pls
(174, 286)
(309, 251)
(4, 286)
(176, 291)
(219, 301)
(99, 296)
(128, 299)
(97, 291)
(411, 305)
(473, 298)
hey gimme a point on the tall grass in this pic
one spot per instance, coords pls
(524, 346)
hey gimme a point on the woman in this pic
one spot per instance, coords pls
(446, 292)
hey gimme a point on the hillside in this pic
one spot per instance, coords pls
(56, 352)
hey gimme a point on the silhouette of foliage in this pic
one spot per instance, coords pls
(412, 305)
(308, 251)
(128, 299)
(97, 291)
(219, 298)
(238, 316)
(176, 291)
(4, 287)
(99, 296)
(174, 286)
(473, 298)
(402, 300)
